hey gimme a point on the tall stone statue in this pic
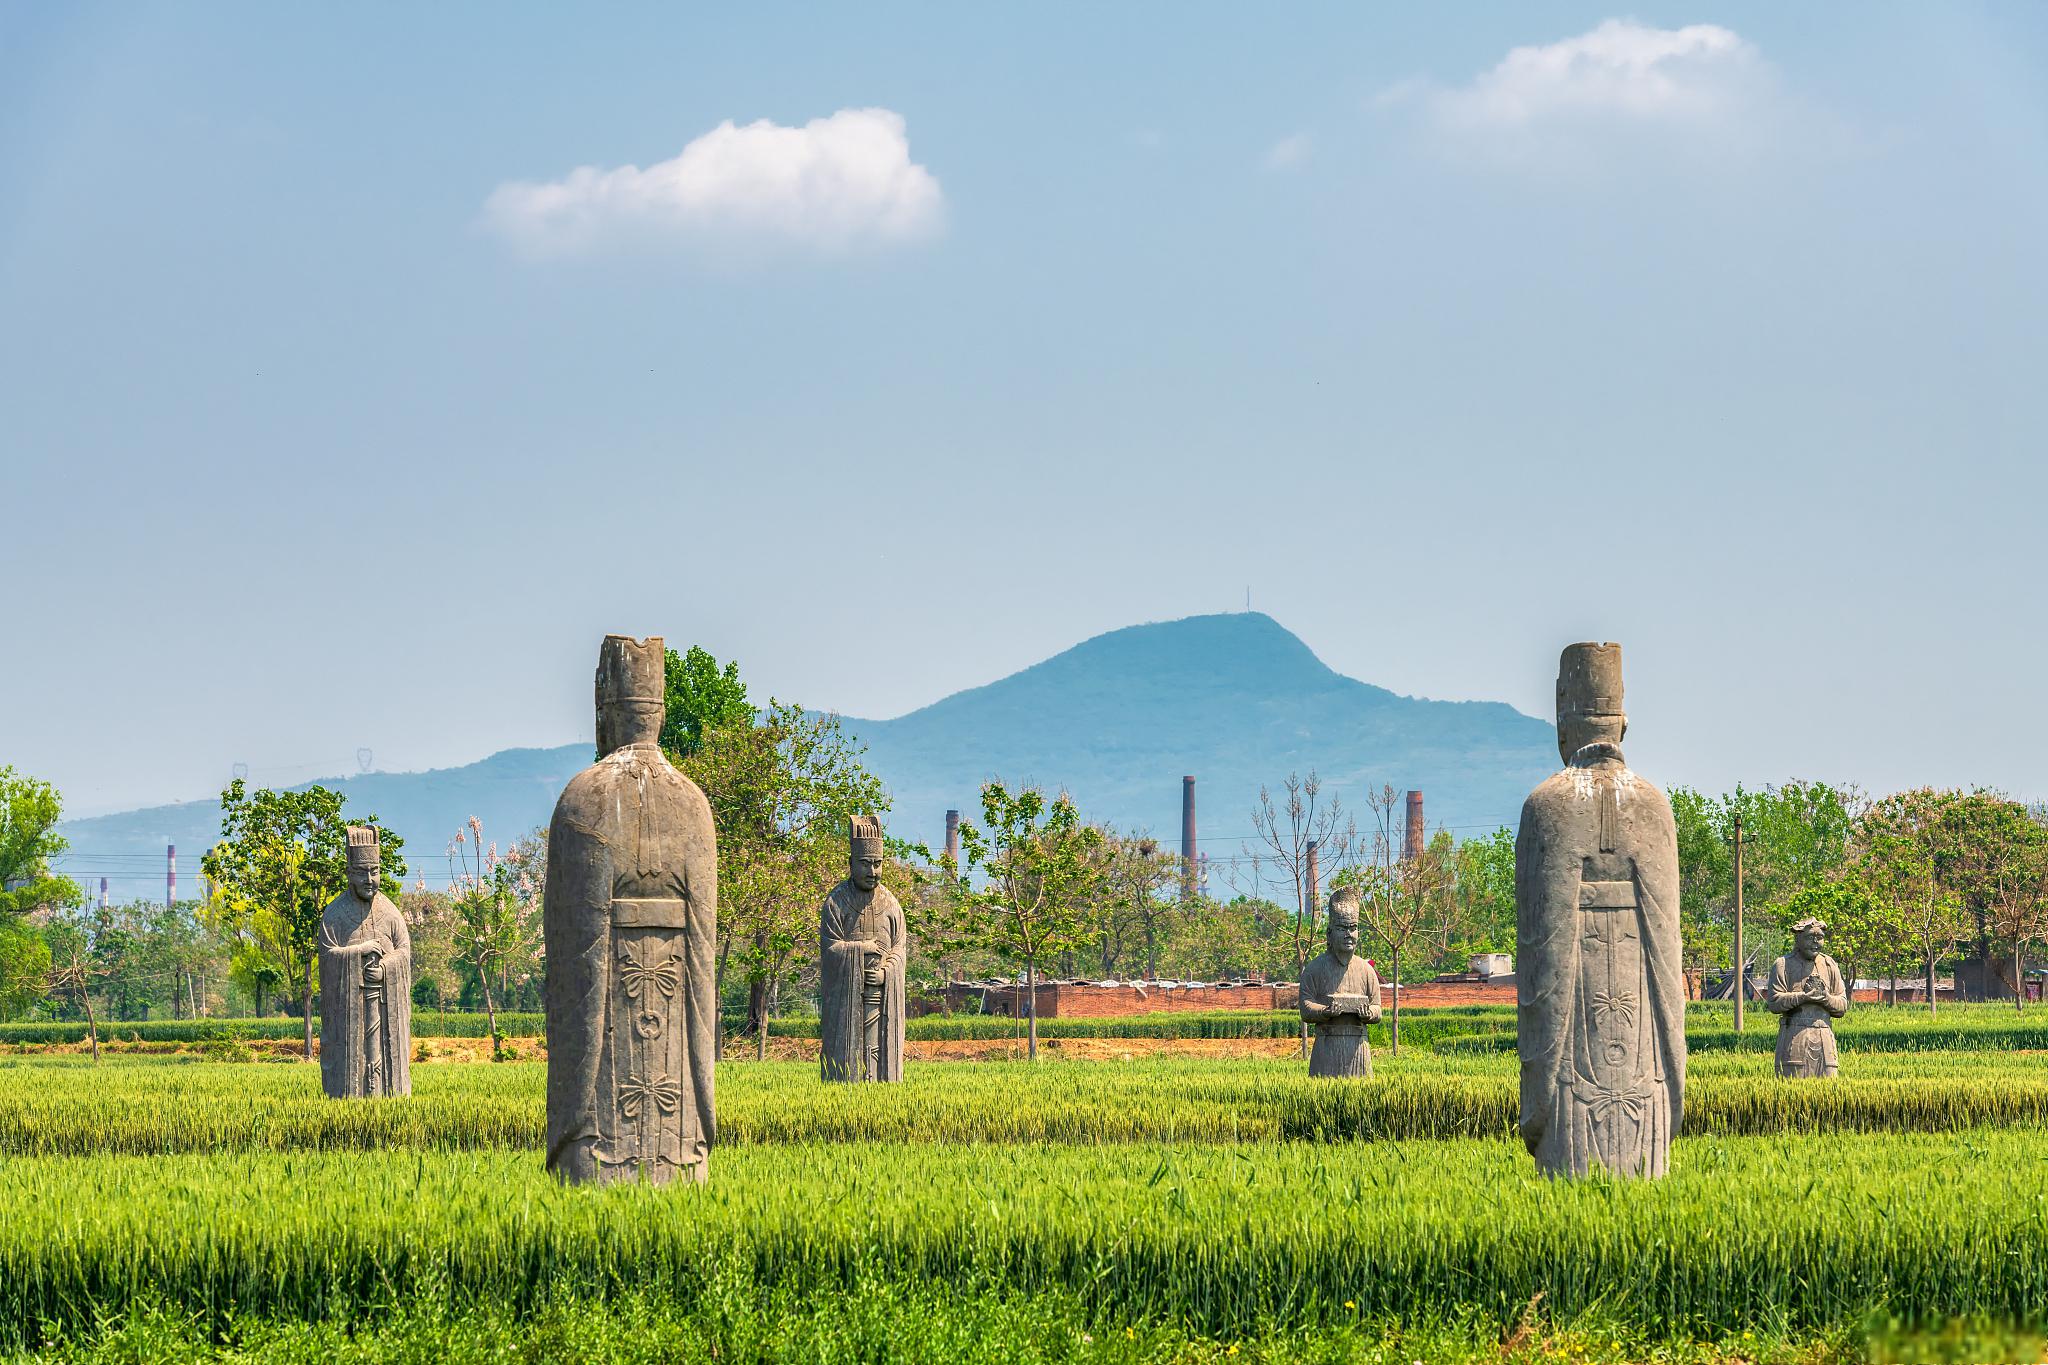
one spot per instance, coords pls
(1340, 995)
(1807, 995)
(365, 983)
(1600, 993)
(630, 916)
(861, 952)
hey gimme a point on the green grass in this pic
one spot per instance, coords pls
(1782, 1237)
(143, 1106)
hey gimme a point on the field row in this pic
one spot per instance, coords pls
(1709, 1027)
(1790, 1234)
(141, 1107)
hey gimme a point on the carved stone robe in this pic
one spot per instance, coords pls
(365, 1024)
(1341, 1048)
(848, 919)
(1600, 992)
(1806, 1029)
(630, 918)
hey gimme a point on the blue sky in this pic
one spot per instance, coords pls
(338, 410)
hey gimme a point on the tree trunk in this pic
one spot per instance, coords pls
(1031, 1009)
(491, 1014)
(1394, 1031)
(1930, 979)
(92, 1025)
(306, 1006)
(259, 997)
(2019, 980)
(1151, 953)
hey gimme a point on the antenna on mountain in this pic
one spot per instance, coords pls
(1247, 597)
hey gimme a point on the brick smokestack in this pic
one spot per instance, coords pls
(1415, 839)
(1314, 878)
(1187, 837)
(103, 893)
(953, 837)
(170, 875)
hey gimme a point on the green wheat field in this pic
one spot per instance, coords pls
(178, 1207)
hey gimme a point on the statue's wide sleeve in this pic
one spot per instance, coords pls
(1546, 927)
(576, 924)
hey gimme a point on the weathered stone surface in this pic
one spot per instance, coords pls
(1807, 994)
(365, 984)
(1600, 995)
(1340, 995)
(630, 918)
(862, 947)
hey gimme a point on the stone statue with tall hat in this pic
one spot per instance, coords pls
(365, 983)
(862, 946)
(1807, 994)
(1340, 994)
(1600, 992)
(630, 919)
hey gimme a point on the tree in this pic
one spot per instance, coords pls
(1858, 930)
(496, 903)
(1131, 911)
(1903, 840)
(2015, 891)
(1706, 880)
(1037, 858)
(701, 696)
(73, 972)
(1303, 829)
(782, 787)
(1401, 899)
(29, 811)
(281, 858)
(430, 923)
(1483, 872)
(24, 966)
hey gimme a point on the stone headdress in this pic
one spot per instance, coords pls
(630, 669)
(1589, 682)
(362, 846)
(1345, 898)
(1812, 922)
(864, 836)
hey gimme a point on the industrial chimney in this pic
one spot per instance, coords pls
(103, 893)
(1415, 839)
(953, 838)
(170, 875)
(1187, 837)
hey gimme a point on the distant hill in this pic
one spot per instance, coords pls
(1236, 700)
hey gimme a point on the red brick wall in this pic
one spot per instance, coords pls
(1076, 1002)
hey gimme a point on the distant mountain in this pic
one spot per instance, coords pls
(1235, 700)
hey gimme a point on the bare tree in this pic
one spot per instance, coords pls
(1303, 829)
(1402, 899)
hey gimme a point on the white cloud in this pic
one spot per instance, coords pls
(1619, 72)
(1289, 151)
(834, 186)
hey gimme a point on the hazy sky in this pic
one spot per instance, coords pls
(361, 366)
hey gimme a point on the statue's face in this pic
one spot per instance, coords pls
(620, 723)
(1341, 934)
(867, 870)
(1576, 732)
(1810, 941)
(362, 880)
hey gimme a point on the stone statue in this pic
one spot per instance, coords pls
(1340, 995)
(630, 918)
(1600, 1004)
(365, 983)
(861, 950)
(1807, 995)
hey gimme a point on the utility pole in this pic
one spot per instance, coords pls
(1738, 839)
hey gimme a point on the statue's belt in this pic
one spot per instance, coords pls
(650, 912)
(1607, 895)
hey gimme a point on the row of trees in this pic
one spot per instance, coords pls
(1907, 883)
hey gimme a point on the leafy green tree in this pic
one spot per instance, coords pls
(24, 967)
(281, 858)
(1483, 872)
(29, 811)
(1859, 931)
(1903, 841)
(1037, 859)
(782, 787)
(702, 695)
